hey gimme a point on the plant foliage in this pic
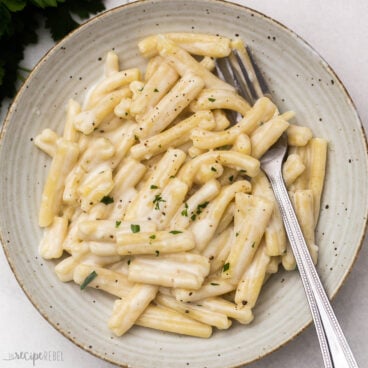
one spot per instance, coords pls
(19, 23)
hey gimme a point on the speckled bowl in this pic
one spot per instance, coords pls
(299, 79)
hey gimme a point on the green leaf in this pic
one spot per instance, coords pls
(47, 3)
(2, 73)
(84, 8)
(20, 32)
(226, 267)
(5, 20)
(107, 200)
(201, 207)
(174, 232)
(14, 5)
(135, 228)
(59, 22)
(117, 224)
(19, 23)
(88, 280)
(157, 200)
(184, 212)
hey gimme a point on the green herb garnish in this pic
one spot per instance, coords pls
(155, 90)
(157, 253)
(213, 169)
(107, 200)
(88, 280)
(153, 186)
(117, 224)
(175, 232)
(214, 284)
(201, 207)
(153, 236)
(226, 267)
(211, 99)
(157, 200)
(185, 210)
(135, 228)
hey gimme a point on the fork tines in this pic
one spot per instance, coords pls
(240, 70)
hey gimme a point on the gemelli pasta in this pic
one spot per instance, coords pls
(155, 198)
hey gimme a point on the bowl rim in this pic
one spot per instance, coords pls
(137, 3)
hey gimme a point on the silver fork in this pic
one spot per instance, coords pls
(241, 71)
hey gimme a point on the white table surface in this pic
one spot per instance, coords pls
(338, 30)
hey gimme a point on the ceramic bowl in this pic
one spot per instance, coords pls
(299, 80)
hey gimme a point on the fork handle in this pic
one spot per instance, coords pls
(335, 349)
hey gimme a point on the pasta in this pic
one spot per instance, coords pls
(156, 199)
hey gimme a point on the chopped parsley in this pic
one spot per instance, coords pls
(153, 186)
(153, 236)
(135, 228)
(253, 244)
(226, 267)
(213, 169)
(88, 280)
(155, 90)
(107, 200)
(157, 200)
(129, 262)
(201, 207)
(211, 99)
(175, 232)
(185, 210)
(157, 253)
(117, 224)
(214, 284)
(193, 217)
